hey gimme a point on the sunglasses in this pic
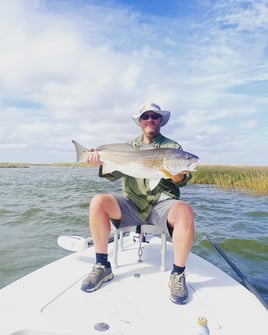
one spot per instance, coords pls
(152, 116)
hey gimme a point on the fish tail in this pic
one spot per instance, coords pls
(82, 153)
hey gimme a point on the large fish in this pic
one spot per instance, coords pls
(153, 164)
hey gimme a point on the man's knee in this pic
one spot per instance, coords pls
(181, 214)
(182, 208)
(188, 210)
(105, 203)
(100, 199)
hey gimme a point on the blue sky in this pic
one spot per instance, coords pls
(80, 69)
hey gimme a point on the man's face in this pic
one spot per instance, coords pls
(150, 123)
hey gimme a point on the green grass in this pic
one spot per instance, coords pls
(250, 179)
(13, 165)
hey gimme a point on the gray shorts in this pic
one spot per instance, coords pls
(130, 215)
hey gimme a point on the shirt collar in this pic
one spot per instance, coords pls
(156, 142)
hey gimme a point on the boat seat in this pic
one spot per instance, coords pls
(141, 231)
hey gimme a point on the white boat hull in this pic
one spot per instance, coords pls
(49, 301)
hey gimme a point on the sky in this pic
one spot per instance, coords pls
(79, 70)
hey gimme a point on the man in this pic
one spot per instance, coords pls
(141, 205)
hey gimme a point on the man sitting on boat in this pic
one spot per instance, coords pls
(142, 205)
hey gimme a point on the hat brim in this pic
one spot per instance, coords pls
(165, 117)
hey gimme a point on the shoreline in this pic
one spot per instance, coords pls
(243, 178)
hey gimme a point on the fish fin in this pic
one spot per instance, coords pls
(153, 183)
(167, 173)
(81, 152)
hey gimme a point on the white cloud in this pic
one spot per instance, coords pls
(248, 124)
(80, 72)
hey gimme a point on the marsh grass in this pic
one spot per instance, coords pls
(13, 165)
(250, 179)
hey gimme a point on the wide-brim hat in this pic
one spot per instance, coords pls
(151, 107)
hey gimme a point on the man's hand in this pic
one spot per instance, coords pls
(179, 177)
(94, 158)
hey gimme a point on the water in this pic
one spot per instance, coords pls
(39, 204)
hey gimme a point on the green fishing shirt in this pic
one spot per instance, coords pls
(138, 190)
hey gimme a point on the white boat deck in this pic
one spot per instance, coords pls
(49, 301)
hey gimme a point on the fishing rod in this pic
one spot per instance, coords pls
(245, 281)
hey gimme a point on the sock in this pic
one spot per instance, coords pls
(178, 269)
(103, 259)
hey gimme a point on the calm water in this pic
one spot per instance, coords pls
(39, 204)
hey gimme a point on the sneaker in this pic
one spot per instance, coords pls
(96, 277)
(178, 288)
